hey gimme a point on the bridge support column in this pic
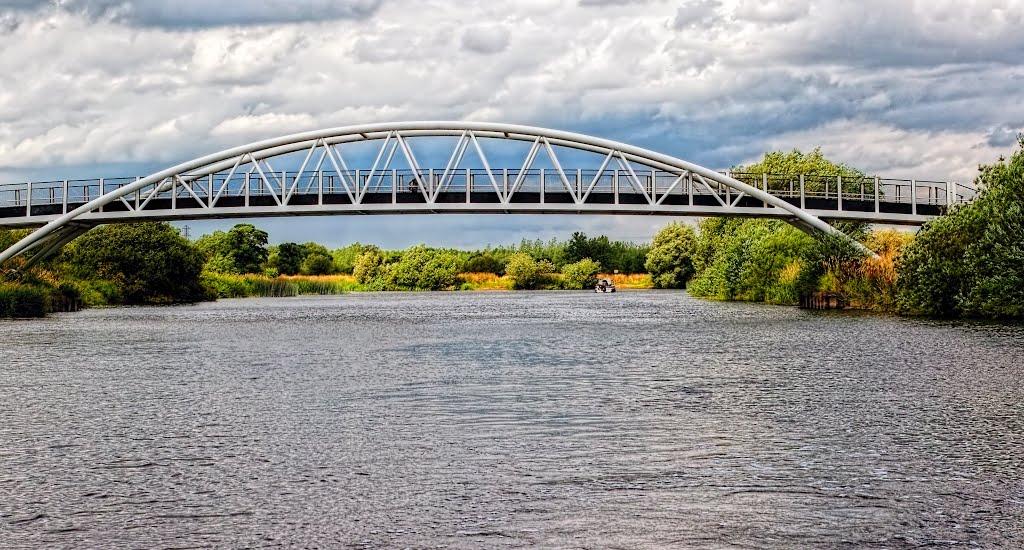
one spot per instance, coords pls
(839, 192)
(913, 197)
(878, 202)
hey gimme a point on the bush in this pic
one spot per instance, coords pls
(17, 300)
(527, 273)
(368, 265)
(582, 274)
(970, 262)
(670, 257)
(484, 263)
(148, 262)
(419, 268)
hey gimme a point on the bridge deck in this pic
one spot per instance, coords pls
(477, 191)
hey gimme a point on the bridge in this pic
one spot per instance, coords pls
(375, 169)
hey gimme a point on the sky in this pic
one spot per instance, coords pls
(926, 89)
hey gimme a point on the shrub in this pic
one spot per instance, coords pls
(17, 300)
(582, 274)
(970, 261)
(670, 258)
(527, 273)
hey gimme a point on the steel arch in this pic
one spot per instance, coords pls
(55, 233)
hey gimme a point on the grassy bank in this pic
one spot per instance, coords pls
(18, 300)
(246, 286)
(250, 285)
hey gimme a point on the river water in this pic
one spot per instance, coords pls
(494, 420)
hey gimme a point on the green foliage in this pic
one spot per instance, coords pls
(582, 274)
(286, 258)
(485, 263)
(796, 162)
(754, 260)
(345, 258)
(241, 249)
(621, 256)
(527, 273)
(18, 300)
(147, 262)
(670, 257)
(418, 268)
(249, 285)
(970, 262)
(8, 237)
(316, 260)
(368, 265)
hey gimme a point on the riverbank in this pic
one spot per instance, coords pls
(251, 285)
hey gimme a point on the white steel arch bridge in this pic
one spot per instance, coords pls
(376, 169)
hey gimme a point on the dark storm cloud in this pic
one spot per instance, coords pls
(204, 13)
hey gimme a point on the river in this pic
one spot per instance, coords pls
(505, 420)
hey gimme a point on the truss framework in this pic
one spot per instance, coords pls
(237, 177)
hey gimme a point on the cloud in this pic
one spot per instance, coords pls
(205, 13)
(697, 13)
(1004, 136)
(908, 87)
(772, 11)
(485, 39)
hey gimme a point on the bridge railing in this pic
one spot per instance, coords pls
(240, 188)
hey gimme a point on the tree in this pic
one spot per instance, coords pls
(148, 262)
(812, 164)
(484, 263)
(527, 273)
(287, 258)
(582, 274)
(580, 246)
(670, 258)
(970, 261)
(368, 265)
(796, 162)
(316, 260)
(345, 258)
(241, 249)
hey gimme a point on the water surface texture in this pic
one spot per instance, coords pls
(505, 420)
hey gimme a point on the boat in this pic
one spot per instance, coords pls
(604, 285)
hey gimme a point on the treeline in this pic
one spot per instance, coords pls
(141, 263)
(532, 264)
(968, 262)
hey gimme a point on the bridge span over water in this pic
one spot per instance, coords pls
(491, 168)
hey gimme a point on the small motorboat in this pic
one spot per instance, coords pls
(604, 285)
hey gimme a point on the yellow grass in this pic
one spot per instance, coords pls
(333, 279)
(486, 281)
(633, 281)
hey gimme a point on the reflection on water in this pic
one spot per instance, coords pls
(645, 419)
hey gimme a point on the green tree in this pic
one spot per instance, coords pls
(419, 268)
(821, 170)
(241, 249)
(527, 273)
(797, 162)
(316, 260)
(485, 263)
(368, 265)
(670, 258)
(148, 262)
(345, 257)
(287, 258)
(582, 274)
(970, 262)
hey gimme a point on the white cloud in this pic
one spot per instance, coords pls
(488, 39)
(929, 87)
